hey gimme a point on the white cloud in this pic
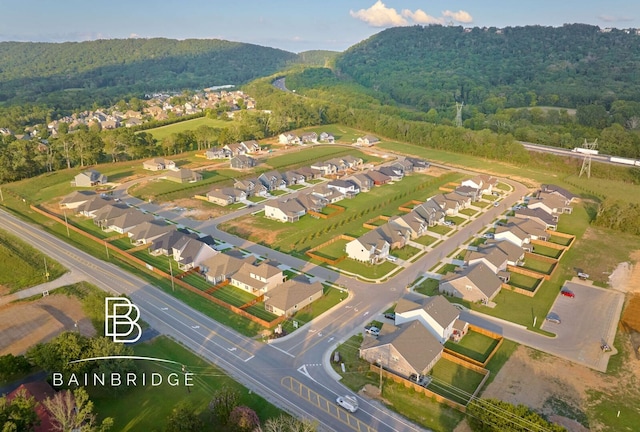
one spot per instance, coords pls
(379, 15)
(134, 36)
(421, 17)
(460, 16)
(611, 18)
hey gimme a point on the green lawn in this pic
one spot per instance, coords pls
(309, 155)
(405, 253)
(503, 186)
(563, 241)
(233, 295)
(425, 240)
(23, 266)
(309, 232)
(428, 287)
(332, 296)
(523, 281)
(454, 381)
(447, 268)
(474, 345)
(546, 251)
(469, 212)
(168, 190)
(481, 204)
(440, 229)
(367, 270)
(147, 408)
(333, 251)
(162, 132)
(478, 241)
(256, 199)
(296, 187)
(538, 265)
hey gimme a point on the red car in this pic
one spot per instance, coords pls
(569, 294)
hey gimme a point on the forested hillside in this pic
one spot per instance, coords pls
(429, 67)
(78, 74)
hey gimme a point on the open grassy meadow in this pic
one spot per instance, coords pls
(147, 408)
(162, 132)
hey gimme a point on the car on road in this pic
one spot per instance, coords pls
(372, 330)
(496, 204)
(553, 319)
(567, 293)
(350, 403)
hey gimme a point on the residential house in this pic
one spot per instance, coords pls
(449, 203)
(242, 162)
(291, 296)
(404, 350)
(435, 313)
(557, 190)
(257, 280)
(418, 164)
(430, 211)
(221, 267)
(76, 199)
(515, 254)
(312, 202)
(326, 138)
(292, 178)
(513, 233)
(331, 195)
(92, 205)
(226, 196)
(551, 203)
(340, 164)
(89, 178)
(215, 153)
(309, 137)
(367, 140)
(288, 138)
(190, 252)
(158, 164)
(132, 122)
(468, 192)
(309, 173)
(394, 173)
(126, 222)
(475, 284)
(484, 183)
(163, 245)
(146, 232)
(374, 246)
(326, 168)
(378, 178)
(352, 162)
(106, 214)
(364, 183)
(414, 222)
(233, 150)
(284, 210)
(272, 180)
(549, 221)
(345, 187)
(251, 146)
(251, 187)
(404, 165)
(494, 258)
(183, 175)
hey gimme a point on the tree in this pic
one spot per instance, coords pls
(243, 419)
(223, 402)
(493, 415)
(73, 411)
(56, 354)
(183, 418)
(285, 423)
(12, 365)
(18, 415)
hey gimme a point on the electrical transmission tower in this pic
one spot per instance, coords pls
(459, 113)
(588, 149)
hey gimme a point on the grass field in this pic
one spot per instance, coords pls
(428, 287)
(162, 132)
(425, 240)
(563, 241)
(524, 282)
(147, 408)
(538, 265)
(23, 266)
(547, 251)
(309, 155)
(167, 190)
(333, 251)
(474, 345)
(332, 296)
(454, 381)
(373, 271)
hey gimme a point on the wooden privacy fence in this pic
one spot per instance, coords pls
(310, 252)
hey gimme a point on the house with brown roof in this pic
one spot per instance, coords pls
(494, 258)
(367, 140)
(374, 246)
(126, 222)
(190, 252)
(378, 178)
(224, 265)
(89, 178)
(291, 296)
(484, 183)
(226, 196)
(551, 203)
(477, 283)
(257, 280)
(327, 138)
(405, 349)
(549, 221)
(560, 191)
(284, 210)
(146, 232)
(158, 164)
(412, 220)
(364, 183)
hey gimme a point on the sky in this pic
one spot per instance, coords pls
(292, 25)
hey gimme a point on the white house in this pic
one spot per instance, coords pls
(435, 313)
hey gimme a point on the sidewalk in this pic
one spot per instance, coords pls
(66, 279)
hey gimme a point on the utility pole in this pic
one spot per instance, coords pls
(106, 248)
(66, 222)
(590, 149)
(1, 195)
(173, 287)
(46, 270)
(459, 114)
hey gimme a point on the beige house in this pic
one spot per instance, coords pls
(183, 175)
(76, 199)
(291, 296)
(158, 164)
(257, 280)
(475, 284)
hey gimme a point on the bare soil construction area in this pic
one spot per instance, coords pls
(25, 324)
(574, 396)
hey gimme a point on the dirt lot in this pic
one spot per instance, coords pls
(569, 394)
(25, 324)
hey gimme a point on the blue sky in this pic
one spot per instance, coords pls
(292, 25)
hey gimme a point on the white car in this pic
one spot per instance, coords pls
(372, 330)
(350, 403)
(391, 258)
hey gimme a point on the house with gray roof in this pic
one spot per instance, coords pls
(345, 187)
(163, 245)
(126, 222)
(272, 180)
(494, 258)
(477, 283)
(326, 137)
(560, 191)
(89, 178)
(224, 265)
(393, 172)
(430, 211)
(418, 164)
(367, 140)
(549, 221)
(291, 296)
(242, 162)
(92, 205)
(106, 214)
(404, 350)
(146, 232)
(364, 183)
(257, 280)
(309, 137)
(284, 210)
(435, 313)
(183, 175)
(550, 202)
(190, 252)
(414, 222)
(374, 246)
(158, 164)
(226, 196)
(468, 191)
(76, 199)
(215, 153)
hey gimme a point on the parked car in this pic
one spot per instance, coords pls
(391, 258)
(422, 380)
(390, 315)
(350, 403)
(496, 203)
(567, 293)
(553, 318)
(488, 235)
(583, 276)
(372, 330)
